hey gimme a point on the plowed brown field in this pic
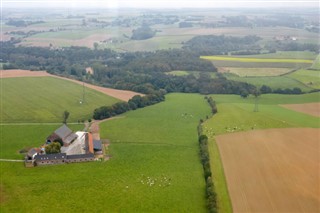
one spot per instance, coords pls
(309, 108)
(275, 170)
(124, 95)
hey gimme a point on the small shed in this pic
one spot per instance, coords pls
(97, 145)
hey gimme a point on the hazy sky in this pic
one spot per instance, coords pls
(159, 3)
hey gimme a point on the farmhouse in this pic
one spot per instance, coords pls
(77, 147)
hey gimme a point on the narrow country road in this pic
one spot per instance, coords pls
(11, 160)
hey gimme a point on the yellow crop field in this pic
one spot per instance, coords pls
(258, 60)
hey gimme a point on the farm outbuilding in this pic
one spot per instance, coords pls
(58, 158)
(80, 158)
(64, 134)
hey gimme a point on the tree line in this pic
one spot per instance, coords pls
(134, 103)
(205, 161)
(144, 72)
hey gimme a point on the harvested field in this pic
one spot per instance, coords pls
(124, 95)
(22, 73)
(308, 108)
(275, 170)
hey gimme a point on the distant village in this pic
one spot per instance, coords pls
(74, 147)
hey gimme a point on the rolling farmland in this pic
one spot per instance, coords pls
(311, 78)
(44, 99)
(153, 163)
(272, 170)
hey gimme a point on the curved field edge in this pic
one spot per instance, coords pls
(44, 99)
(123, 95)
(236, 114)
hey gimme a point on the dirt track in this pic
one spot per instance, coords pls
(274, 170)
(124, 95)
(309, 108)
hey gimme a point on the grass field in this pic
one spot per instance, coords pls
(185, 73)
(284, 55)
(316, 63)
(44, 99)
(154, 144)
(274, 82)
(236, 114)
(17, 137)
(310, 78)
(242, 72)
(257, 60)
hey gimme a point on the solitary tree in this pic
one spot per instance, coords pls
(65, 116)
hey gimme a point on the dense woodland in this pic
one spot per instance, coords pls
(144, 72)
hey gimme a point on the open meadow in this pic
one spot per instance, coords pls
(44, 99)
(236, 114)
(154, 167)
(311, 78)
(275, 82)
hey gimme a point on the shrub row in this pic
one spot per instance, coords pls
(205, 160)
(134, 103)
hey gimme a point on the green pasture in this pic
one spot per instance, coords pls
(242, 72)
(195, 73)
(259, 62)
(44, 99)
(178, 73)
(316, 63)
(237, 114)
(249, 59)
(156, 43)
(310, 78)
(221, 63)
(156, 144)
(16, 137)
(284, 55)
(274, 82)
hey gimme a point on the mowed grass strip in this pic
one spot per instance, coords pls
(155, 166)
(44, 99)
(236, 114)
(268, 60)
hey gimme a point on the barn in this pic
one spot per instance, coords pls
(63, 134)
